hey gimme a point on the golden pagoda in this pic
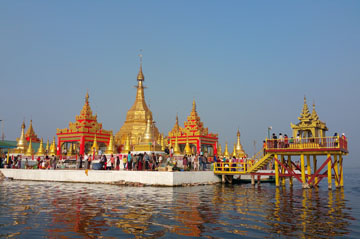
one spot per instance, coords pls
(41, 150)
(239, 148)
(47, 148)
(194, 132)
(310, 125)
(111, 146)
(219, 150)
(127, 147)
(30, 150)
(162, 142)
(71, 151)
(226, 152)
(187, 147)
(234, 152)
(137, 116)
(95, 146)
(176, 147)
(53, 147)
(21, 142)
(30, 134)
(148, 142)
(83, 130)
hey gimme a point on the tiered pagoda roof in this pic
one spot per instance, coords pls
(86, 122)
(30, 134)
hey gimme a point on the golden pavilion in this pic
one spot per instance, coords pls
(83, 132)
(139, 128)
(193, 134)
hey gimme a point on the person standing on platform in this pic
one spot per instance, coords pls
(117, 163)
(112, 159)
(86, 159)
(129, 161)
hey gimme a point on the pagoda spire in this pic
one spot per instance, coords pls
(305, 114)
(148, 136)
(47, 148)
(110, 148)
(176, 147)
(140, 76)
(30, 150)
(193, 106)
(239, 148)
(187, 147)
(95, 145)
(234, 151)
(314, 115)
(53, 147)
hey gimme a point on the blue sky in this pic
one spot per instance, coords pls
(248, 64)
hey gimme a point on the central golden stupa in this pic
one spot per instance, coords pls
(137, 119)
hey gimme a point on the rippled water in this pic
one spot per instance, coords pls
(64, 210)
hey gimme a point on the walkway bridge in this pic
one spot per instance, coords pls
(333, 148)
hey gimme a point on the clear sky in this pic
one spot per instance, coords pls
(248, 64)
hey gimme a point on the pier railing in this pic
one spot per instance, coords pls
(311, 144)
(233, 167)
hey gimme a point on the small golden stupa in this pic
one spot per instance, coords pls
(21, 142)
(176, 147)
(111, 146)
(137, 117)
(219, 152)
(226, 152)
(47, 148)
(148, 142)
(41, 150)
(187, 147)
(239, 148)
(234, 152)
(127, 147)
(30, 150)
(53, 147)
(95, 146)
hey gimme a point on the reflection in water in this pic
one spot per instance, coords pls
(57, 210)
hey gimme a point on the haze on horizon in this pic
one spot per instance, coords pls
(248, 65)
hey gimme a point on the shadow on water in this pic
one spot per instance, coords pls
(61, 210)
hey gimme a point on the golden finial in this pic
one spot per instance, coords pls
(87, 97)
(53, 147)
(314, 115)
(30, 150)
(176, 147)
(194, 106)
(41, 150)
(140, 76)
(187, 147)
(110, 148)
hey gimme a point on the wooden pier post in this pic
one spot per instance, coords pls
(282, 170)
(290, 166)
(341, 171)
(314, 169)
(276, 172)
(308, 167)
(336, 170)
(302, 161)
(252, 179)
(258, 180)
(329, 172)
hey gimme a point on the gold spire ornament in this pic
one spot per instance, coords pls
(176, 147)
(187, 147)
(148, 136)
(314, 115)
(53, 147)
(226, 152)
(30, 150)
(110, 148)
(41, 150)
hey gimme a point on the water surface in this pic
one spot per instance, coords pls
(65, 210)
